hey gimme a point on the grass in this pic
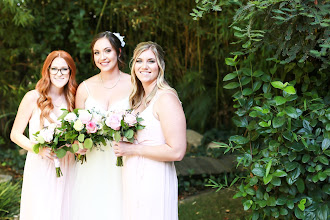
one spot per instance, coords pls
(212, 205)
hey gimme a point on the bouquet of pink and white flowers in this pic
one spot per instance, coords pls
(122, 126)
(50, 137)
(86, 126)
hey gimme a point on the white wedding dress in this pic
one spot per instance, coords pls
(97, 192)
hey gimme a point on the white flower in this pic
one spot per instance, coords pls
(121, 38)
(47, 135)
(52, 126)
(97, 118)
(78, 125)
(84, 116)
(70, 117)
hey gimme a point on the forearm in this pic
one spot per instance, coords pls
(22, 141)
(159, 153)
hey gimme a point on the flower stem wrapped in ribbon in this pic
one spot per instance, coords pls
(122, 126)
(49, 137)
(84, 126)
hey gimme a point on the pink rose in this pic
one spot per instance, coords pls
(84, 116)
(113, 121)
(130, 119)
(91, 127)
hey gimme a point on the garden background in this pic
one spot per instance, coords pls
(253, 76)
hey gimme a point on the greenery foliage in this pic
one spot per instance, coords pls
(29, 30)
(9, 199)
(282, 107)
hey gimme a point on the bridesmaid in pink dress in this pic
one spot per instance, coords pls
(150, 184)
(45, 196)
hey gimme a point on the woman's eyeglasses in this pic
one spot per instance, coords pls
(63, 71)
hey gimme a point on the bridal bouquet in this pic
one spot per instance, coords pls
(86, 126)
(49, 137)
(122, 126)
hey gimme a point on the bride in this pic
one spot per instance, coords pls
(98, 184)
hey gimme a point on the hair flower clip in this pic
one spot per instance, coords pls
(121, 38)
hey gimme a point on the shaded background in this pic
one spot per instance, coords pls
(195, 50)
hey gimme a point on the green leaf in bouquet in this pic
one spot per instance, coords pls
(129, 134)
(131, 140)
(65, 112)
(36, 148)
(76, 110)
(81, 146)
(117, 136)
(103, 141)
(140, 127)
(75, 147)
(81, 138)
(60, 153)
(55, 141)
(123, 124)
(139, 119)
(88, 143)
(111, 133)
(40, 140)
(70, 149)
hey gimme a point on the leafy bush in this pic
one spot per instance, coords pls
(9, 199)
(282, 107)
(12, 158)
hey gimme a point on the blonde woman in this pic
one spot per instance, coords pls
(149, 177)
(45, 196)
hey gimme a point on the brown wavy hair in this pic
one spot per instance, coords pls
(44, 101)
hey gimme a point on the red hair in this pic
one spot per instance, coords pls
(44, 102)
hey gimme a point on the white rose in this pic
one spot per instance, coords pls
(70, 117)
(47, 135)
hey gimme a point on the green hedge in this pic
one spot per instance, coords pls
(280, 81)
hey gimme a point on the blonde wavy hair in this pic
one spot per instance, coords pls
(137, 94)
(44, 101)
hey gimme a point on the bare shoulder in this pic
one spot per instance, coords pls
(81, 90)
(168, 95)
(31, 96)
(167, 99)
(29, 101)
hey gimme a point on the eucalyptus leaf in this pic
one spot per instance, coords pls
(75, 147)
(60, 153)
(81, 138)
(88, 143)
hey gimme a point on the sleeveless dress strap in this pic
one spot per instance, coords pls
(86, 88)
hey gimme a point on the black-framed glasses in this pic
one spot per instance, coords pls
(63, 71)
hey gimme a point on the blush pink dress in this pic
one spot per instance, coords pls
(150, 188)
(45, 196)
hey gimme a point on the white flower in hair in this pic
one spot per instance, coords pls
(121, 38)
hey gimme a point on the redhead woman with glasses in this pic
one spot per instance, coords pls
(45, 196)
